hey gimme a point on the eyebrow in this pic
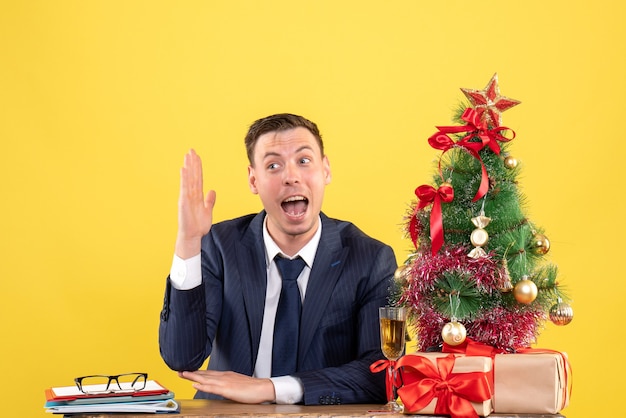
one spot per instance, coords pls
(276, 154)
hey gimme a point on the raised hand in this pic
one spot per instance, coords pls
(195, 210)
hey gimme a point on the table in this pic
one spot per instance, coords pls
(194, 408)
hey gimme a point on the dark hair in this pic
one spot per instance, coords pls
(277, 123)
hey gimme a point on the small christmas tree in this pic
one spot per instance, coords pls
(479, 267)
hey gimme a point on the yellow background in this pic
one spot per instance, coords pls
(99, 100)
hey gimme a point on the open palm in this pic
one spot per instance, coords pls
(195, 210)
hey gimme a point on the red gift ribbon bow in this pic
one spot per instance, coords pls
(379, 366)
(426, 195)
(474, 128)
(454, 391)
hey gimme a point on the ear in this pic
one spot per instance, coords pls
(252, 180)
(327, 174)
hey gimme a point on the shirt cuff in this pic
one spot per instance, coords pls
(289, 389)
(186, 274)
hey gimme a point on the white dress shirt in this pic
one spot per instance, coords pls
(187, 274)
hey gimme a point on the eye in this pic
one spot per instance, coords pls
(305, 160)
(272, 166)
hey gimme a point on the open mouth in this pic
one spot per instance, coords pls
(295, 205)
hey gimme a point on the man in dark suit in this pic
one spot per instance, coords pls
(223, 294)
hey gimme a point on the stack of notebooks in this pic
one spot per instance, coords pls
(154, 398)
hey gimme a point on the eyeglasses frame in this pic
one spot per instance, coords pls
(113, 378)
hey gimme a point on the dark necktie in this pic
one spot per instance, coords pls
(287, 324)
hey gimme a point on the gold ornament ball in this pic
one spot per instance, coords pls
(561, 314)
(510, 162)
(453, 333)
(525, 291)
(541, 244)
(402, 272)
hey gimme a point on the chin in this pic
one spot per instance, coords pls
(299, 226)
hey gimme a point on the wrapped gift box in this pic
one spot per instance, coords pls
(532, 383)
(432, 383)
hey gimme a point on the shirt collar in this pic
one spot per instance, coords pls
(307, 252)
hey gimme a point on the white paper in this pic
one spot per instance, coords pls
(151, 385)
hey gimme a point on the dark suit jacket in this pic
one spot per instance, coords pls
(339, 339)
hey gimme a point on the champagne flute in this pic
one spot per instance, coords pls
(392, 333)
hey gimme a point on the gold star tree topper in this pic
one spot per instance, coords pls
(489, 103)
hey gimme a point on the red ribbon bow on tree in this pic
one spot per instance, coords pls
(454, 391)
(474, 128)
(426, 195)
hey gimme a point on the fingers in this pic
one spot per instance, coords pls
(234, 386)
(208, 381)
(196, 172)
(209, 200)
(204, 376)
(191, 176)
(195, 210)
(187, 375)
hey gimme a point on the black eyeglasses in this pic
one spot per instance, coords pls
(121, 383)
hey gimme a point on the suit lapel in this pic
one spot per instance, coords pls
(251, 266)
(327, 267)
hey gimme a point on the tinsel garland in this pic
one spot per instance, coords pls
(506, 326)
(427, 268)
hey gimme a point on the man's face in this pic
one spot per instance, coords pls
(289, 174)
